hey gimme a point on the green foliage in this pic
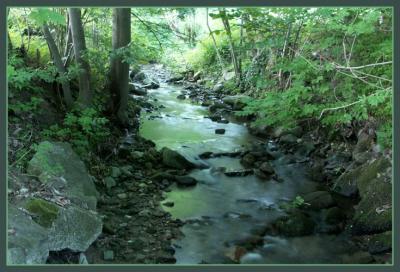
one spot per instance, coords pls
(384, 135)
(20, 77)
(46, 15)
(298, 202)
(300, 87)
(83, 129)
(31, 106)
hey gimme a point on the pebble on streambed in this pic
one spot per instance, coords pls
(220, 131)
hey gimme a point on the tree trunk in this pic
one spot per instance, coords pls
(227, 27)
(59, 65)
(119, 70)
(10, 45)
(214, 42)
(240, 57)
(78, 39)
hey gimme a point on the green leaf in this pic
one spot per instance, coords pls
(45, 15)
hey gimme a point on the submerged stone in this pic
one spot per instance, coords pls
(173, 159)
(185, 180)
(296, 224)
(319, 200)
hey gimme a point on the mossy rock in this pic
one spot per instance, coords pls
(296, 224)
(57, 163)
(334, 215)
(369, 174)
(368, 218)
(357, 180)
(29, 244)
(374, 213)
(45, 212)
(175, 160)
(319, 200)
(346, 185)
(380, 243)
(42, 164)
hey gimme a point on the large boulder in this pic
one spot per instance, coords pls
(362, 151)
(74, 228)
(57, 165)
(282, 131)
(147, 81)
(137, 89)
(237, 102)
(319, 200)
(295, 224)
(63, 217)
(173, 159)
(288, 139)
(372, 181)
(27, 240)
(69, 227)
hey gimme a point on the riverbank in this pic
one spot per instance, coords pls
(354, 177)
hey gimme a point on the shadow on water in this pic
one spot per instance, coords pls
(222, 209)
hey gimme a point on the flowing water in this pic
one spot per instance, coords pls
(221, 209)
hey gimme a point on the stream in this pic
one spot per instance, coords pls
(220, 209)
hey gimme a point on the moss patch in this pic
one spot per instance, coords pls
(296, 224)
(381, 242)
(369, 173)
(44, 211)
(43, 165)
(371, 216)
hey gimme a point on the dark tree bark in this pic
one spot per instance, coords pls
(10, 45)
(59, 65)
(78, 39)
(119, 70)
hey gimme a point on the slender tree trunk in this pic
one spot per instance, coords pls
(78, 39)
(119, 70)
(10, 45)
(240, 54)
(227, 27)
(285, 44)
(214, 42)
(293, 52)
(59, 65)
(68, 50)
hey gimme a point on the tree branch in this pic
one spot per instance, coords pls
(363, 66)
(149, 28)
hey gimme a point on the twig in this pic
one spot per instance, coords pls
(20, 158)
(337, 108)
(363, 66)
(348, 105)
